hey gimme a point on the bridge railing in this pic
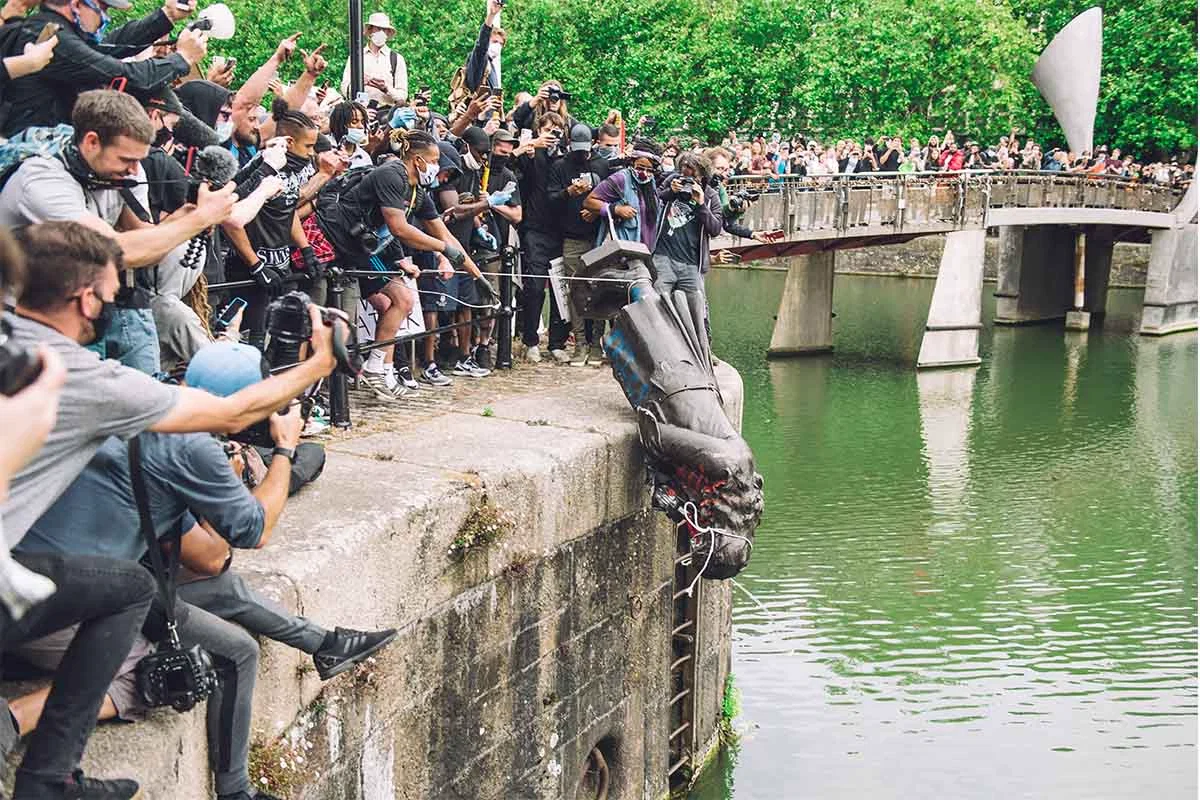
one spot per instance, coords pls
(820, 206)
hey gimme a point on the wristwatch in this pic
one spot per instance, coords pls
(286, 452)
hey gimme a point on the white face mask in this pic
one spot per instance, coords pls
(429, 175)
(224, 130)
(379, 38)
(494, 50)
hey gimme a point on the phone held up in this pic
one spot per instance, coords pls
(225, 317)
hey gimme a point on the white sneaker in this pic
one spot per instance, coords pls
(476, 370)
(434, 377)
(405, 376)
(533, 355)
(377, 383)
(560, 356)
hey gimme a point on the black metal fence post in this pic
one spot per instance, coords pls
(508, 264)
(355, 24)
(339, 384)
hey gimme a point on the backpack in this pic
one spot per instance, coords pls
(37, 141)
(459, 91)
(331, 194)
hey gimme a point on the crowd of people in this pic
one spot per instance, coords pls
(145, 422)
(771, 156)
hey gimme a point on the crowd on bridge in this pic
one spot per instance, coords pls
(772, 156)
(169, 235)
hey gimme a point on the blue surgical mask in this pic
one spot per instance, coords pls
(356, 136)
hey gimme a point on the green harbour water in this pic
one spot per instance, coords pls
(971, 583)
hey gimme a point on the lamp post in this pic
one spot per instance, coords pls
(355, 22)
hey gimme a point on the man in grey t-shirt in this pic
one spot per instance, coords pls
(73, 278)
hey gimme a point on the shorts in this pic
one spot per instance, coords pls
(465, 291)
(437, 294)
(368, 286)
(47, 653)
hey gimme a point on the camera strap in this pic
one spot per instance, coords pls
(164, 572)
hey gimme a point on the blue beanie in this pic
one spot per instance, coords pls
(223, 368)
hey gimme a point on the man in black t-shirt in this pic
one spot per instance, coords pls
(371, 227)
(889, 161)
(489, 196)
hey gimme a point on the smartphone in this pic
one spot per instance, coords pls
(425, 90)
(495, 91)
(226, 315)
(362, 98)
(48, 30)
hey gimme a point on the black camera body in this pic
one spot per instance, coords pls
(554, 94)
(740, 201)
(175, 677)
(686, 185)
(289, 326)
(19, 365)
(366, 236)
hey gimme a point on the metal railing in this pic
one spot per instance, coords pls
(829, 206)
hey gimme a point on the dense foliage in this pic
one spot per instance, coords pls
(828, 67)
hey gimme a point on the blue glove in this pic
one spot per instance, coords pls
(484, 239)
(499, 198)
(404, 117)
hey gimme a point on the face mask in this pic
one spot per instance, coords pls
(499, 161)
(297, 163)
(224, 130)
(642, 177)
(356, 136)
(470, 161)
(162, 136)
(606, 152)
(494, 50)
(429, 176)
(379, 38)
(103, 321)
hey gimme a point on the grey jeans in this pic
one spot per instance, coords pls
(230, 598)
(671, 275)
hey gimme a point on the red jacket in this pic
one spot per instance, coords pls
(951, 160)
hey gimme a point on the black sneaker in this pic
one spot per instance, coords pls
(349, 647)
(483, 357)
(77, 787)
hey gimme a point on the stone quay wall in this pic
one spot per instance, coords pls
(514, 661)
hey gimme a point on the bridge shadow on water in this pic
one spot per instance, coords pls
(968, 583)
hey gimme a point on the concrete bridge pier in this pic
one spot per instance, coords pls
(804, 323)
(955, 313)
(1170, 300)
(1045, 272)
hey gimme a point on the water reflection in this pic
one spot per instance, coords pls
(975, 583)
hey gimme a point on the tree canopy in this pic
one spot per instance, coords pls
(829, 68)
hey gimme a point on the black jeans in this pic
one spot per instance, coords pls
(109, 599)
(539, 248)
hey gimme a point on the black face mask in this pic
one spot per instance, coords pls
(83, 174)
(499, 161)
(297, 163)
(103, 321)
(162, 136)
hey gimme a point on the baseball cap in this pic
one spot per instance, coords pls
(581, 138)
(164, 100)
(503, 135)
(478, 140)
(224, 368)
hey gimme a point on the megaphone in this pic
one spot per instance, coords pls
(217, 19)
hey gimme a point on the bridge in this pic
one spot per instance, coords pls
(1056, 238)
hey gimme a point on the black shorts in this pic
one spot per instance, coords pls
(437, 294)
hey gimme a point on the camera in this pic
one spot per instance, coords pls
(554, 94)
(740, 201)
(175, 677)
(366, 236)
(19, 365)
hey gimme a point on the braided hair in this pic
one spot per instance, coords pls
(403, 142)
(289, 122)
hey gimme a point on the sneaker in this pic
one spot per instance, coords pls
(482, 355)
(404, 374)
(595, 356)
(315, 426)
(376, 382)
(580, 356)
(433, 376)
(560, 356)
(476, 370)
(77, 787)
(533, 355)
(349, 647)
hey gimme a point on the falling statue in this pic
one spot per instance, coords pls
(700, 470)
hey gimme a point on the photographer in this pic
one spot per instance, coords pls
(87, 182)
(188, 477)
(691, 214)
(733, 208)
(83, 60)
(541, 236)
(361, 220)
(550, 98)
(260, 249)
(40, 594)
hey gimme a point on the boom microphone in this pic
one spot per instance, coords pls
(191, 132)
(215, 165)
